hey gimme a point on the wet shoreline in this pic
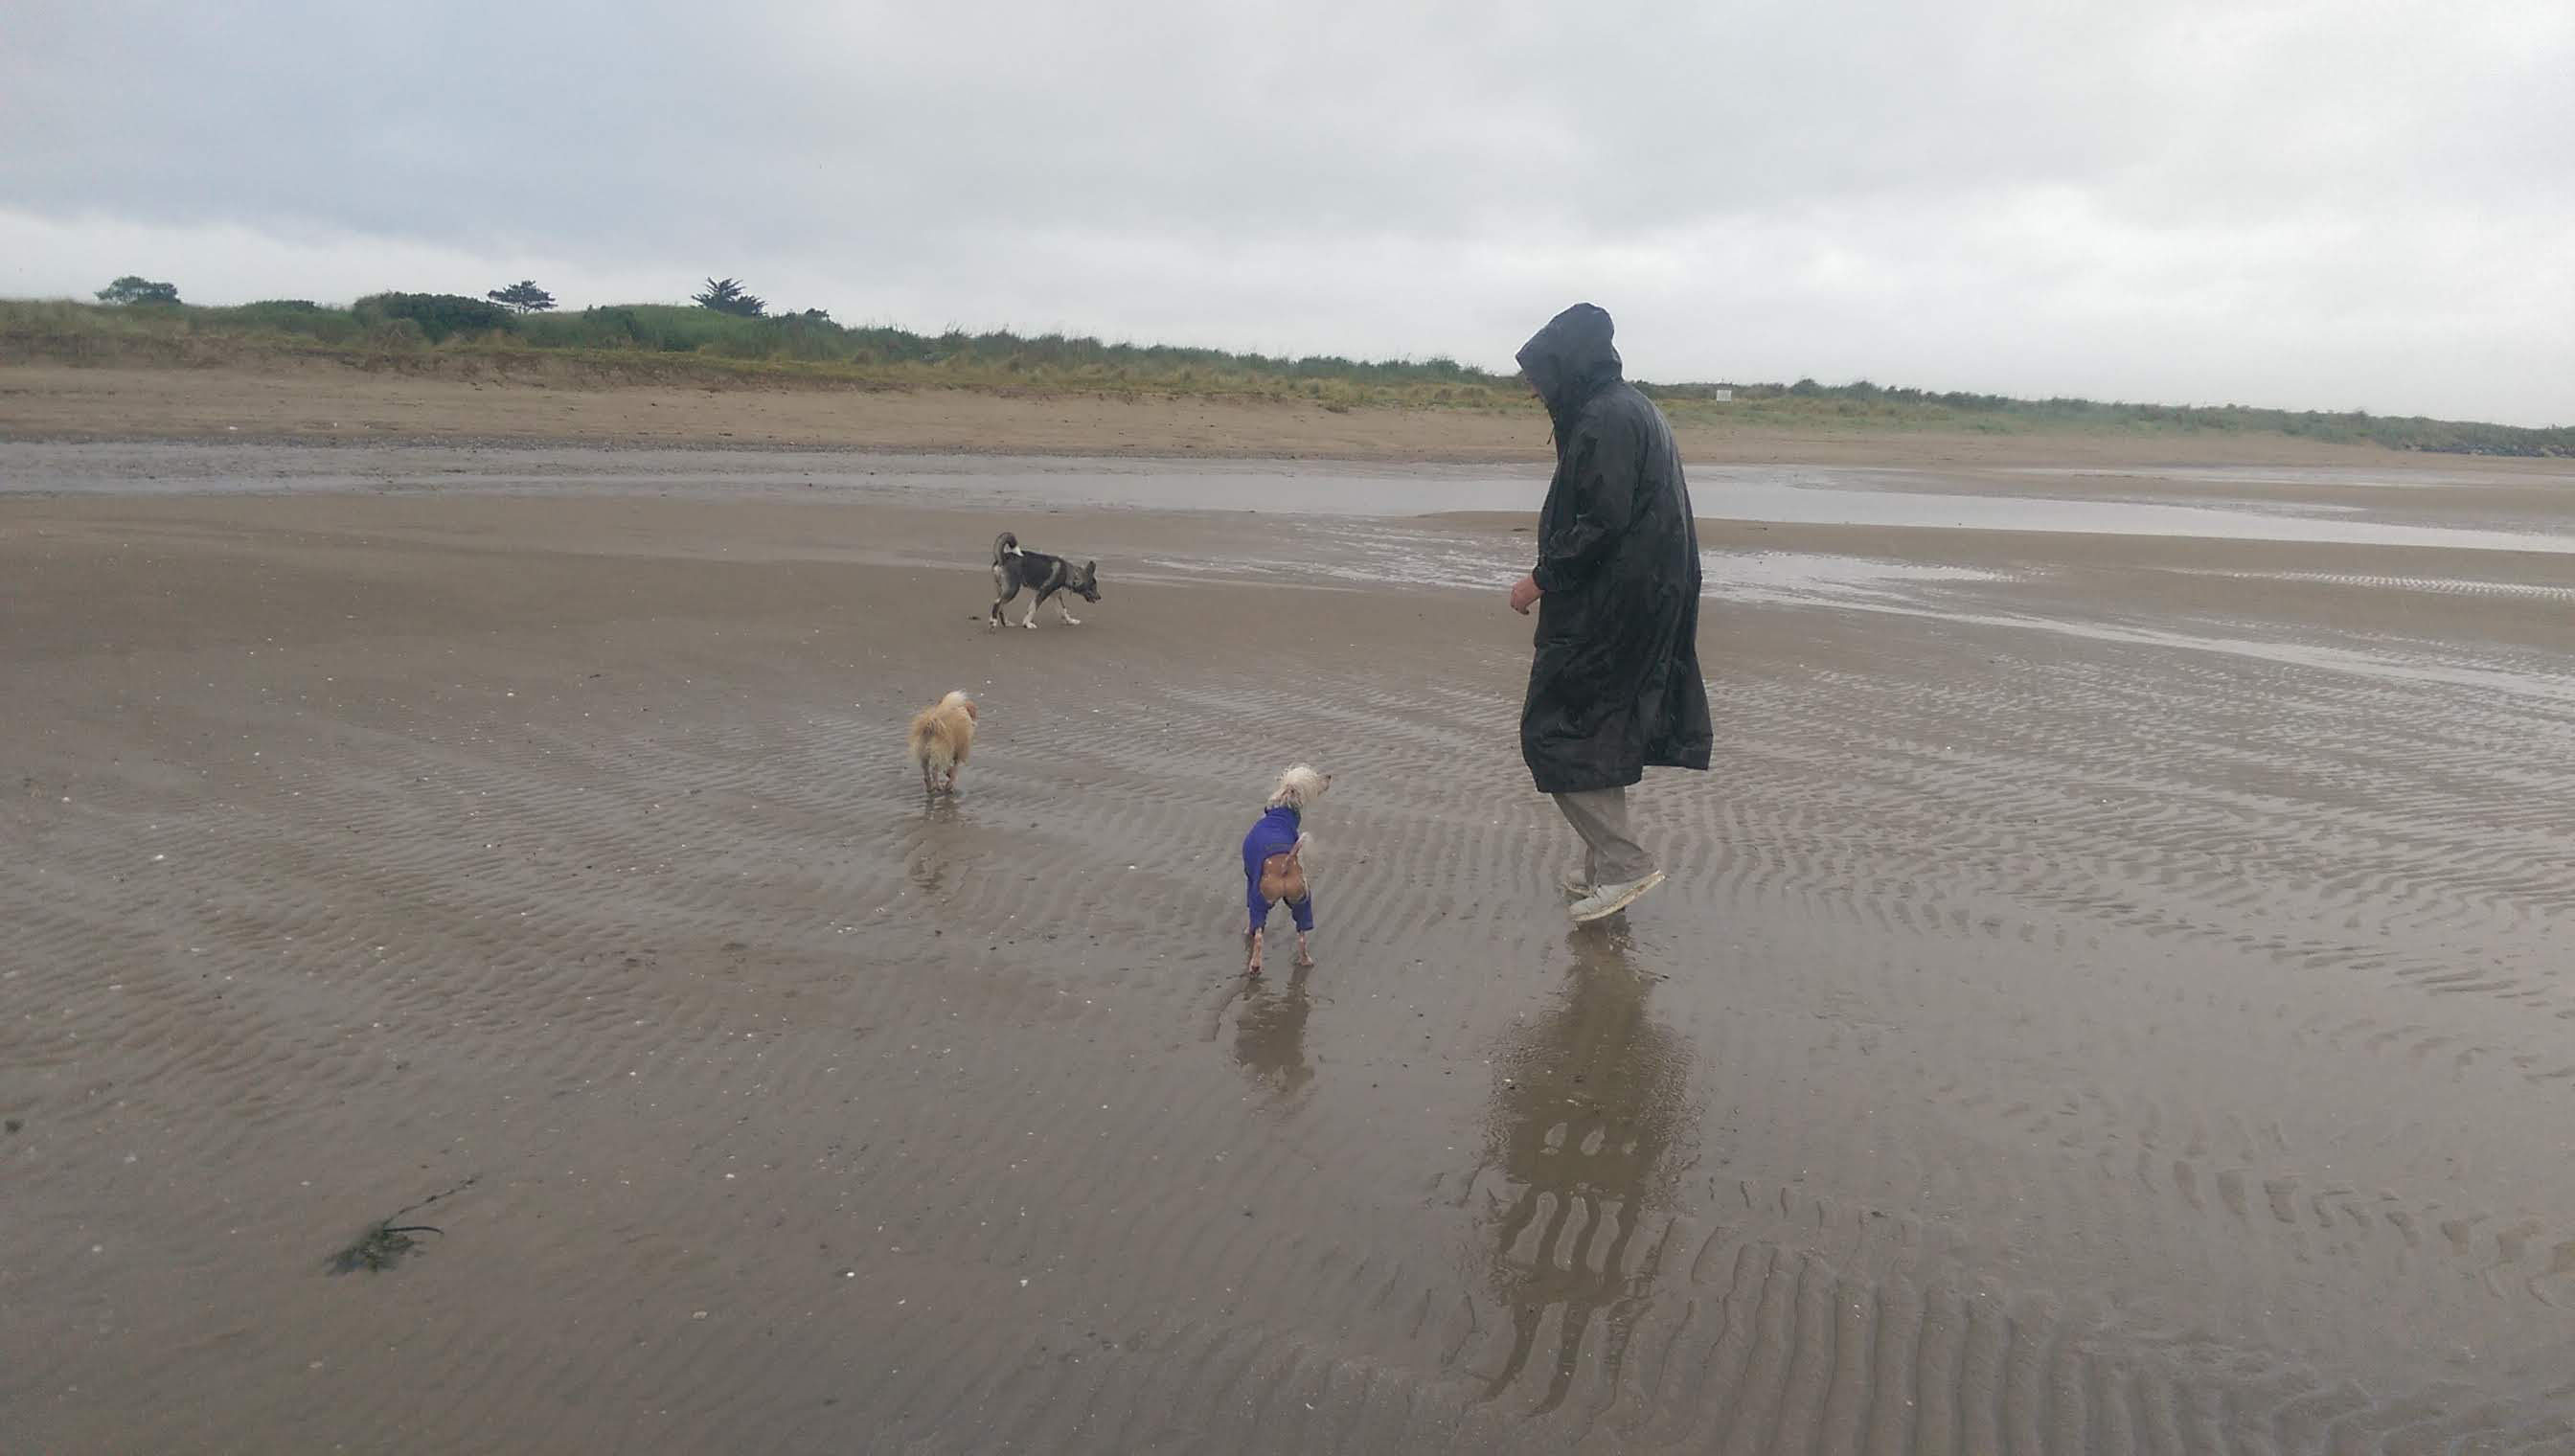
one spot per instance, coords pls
(2109, 994)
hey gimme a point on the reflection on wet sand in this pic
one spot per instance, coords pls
(1270, 1035)
(2086, 1044)
(1587, 1123)
(932, 844)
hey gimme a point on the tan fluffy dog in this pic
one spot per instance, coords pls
(941, 735)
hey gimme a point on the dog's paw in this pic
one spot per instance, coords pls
(1072, 622)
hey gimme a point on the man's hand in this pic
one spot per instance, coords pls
(1524, 594)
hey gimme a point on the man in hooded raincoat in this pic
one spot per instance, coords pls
(1614, 685)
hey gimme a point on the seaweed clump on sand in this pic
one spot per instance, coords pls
(383, 1243)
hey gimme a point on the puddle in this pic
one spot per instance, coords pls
(1768, 494)
(1373, 553)
(1794, 578)
(2434, 665)
(2313, 476)
(2437, 585)
(1412, 557)
(1847, 501)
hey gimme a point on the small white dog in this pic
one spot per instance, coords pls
(1273, 866)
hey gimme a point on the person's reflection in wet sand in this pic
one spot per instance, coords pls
(1587, 1119)
(1270, 1035)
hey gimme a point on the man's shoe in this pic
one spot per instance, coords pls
(1576, 887)
(1610, 899)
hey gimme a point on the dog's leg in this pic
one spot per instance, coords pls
(1303, 906)
(952, 782)
(1254, 969)
(1065, 605)
(1031, 621)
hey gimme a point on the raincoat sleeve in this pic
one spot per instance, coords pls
(1600, 484)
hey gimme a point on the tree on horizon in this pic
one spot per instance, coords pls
(523, 296)
(135, 289)
(725, 295)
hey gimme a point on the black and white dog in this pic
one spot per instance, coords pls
(1044, 575)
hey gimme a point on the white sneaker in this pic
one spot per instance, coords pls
(1576, 887)
(1610, 899)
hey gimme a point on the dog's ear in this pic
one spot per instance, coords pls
(1091, 569)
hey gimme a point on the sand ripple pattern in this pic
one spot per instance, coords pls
(2044, 1045)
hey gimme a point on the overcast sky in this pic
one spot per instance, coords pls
(2331, 205)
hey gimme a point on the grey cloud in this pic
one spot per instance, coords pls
(2044, 196)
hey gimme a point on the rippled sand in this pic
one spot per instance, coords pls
(2113, 992)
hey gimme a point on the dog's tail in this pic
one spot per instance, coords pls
(1005, 545)
(934, 750)
(941, 733)
(1296, 852)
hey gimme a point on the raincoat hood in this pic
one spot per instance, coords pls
(1572, 359)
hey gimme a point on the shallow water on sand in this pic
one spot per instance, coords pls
(1781, 493)
(2112, 996)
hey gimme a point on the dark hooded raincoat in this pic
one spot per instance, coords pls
(1614, 686)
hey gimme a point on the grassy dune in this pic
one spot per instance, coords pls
(664, 344)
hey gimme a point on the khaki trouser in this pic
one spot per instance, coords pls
(1611, 855)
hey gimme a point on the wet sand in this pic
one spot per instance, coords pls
(2112, 993)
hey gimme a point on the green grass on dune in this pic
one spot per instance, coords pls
(657, 343)
(669, 344)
